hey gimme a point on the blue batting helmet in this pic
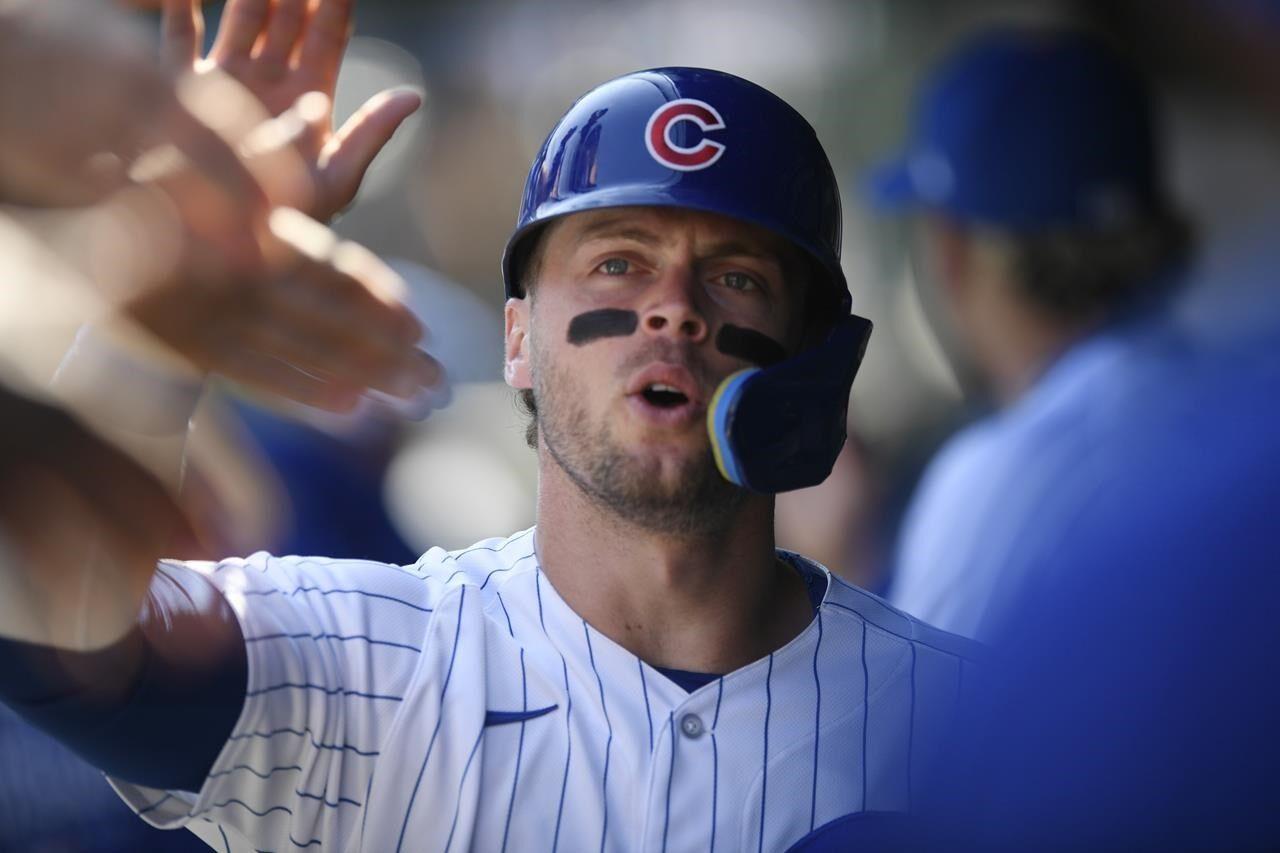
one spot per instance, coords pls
(705, 140)
(691, 138)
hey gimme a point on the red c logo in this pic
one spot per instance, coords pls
(657, 135)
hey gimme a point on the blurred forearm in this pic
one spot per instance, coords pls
(136, 393)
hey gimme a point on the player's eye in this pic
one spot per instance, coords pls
(739, 281)
(614, 266)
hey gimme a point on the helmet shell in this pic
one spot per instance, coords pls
(688, 138)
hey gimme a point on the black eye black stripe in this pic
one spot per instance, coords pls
(602, 323)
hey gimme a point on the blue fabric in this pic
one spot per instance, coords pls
(1026, 130)
(334, 489)
(502, 718)
(688, 681)
(1133, 701)
(154, 708)
(987, 514)
(52, 800)
(878, 831)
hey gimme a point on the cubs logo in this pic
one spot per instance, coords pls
(657, 135)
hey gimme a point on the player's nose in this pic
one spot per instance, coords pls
(671, 307)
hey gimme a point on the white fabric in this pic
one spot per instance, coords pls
(370, 685)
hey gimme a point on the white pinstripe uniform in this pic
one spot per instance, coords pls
(461, 704)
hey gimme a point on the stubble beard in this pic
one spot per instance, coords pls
(696, 501)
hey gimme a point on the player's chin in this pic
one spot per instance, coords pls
(665, 448)
(668, 464)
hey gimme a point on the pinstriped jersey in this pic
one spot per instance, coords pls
(461, 704)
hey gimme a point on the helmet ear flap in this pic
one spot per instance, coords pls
(780, 428)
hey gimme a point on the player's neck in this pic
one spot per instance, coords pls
(707, 602)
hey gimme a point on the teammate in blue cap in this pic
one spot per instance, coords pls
(643, 670)
(1052, 249)
(1124, 510)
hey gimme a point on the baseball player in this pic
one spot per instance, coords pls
(1054, 254)
(641, 671)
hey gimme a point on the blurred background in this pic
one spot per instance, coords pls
(439, 204)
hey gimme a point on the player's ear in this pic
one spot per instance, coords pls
(515, 368)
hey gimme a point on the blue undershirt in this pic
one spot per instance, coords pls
(156, 707)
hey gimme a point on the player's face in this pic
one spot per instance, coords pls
(622, 350)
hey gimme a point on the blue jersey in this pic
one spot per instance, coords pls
(1136, 699)
(992, 507)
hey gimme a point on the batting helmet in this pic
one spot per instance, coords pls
(705, 140)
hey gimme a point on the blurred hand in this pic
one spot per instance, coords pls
(326, 323)
(281, 50)
(81, 528)
(80, 99)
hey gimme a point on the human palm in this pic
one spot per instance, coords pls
(281, 50)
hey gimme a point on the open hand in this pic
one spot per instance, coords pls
(325, 324)
(281, 50)
(80, 98)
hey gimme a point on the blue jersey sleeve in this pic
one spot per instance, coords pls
(156, 707)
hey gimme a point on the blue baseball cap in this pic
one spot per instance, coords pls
(1025, 130)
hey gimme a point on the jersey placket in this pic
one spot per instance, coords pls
(682, 805)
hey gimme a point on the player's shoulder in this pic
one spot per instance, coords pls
(855, 608)
(485, 564)
(435, 574)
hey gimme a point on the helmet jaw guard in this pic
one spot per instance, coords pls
(704, 140)
(780, 428)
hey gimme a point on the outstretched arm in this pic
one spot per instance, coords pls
(155, 707)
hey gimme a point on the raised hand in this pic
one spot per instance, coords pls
(281, 50)
(325, 325)
(80, 99)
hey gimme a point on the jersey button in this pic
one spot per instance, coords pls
(691, 725)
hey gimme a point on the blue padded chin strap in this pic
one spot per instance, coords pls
(781, 428)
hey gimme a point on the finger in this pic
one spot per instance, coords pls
(264, 373)
(379, 280)
(284, 26)
(325, 40)
(347, 156)
(274, 151)
(234, 193)
(370, 292)
(241, 24)
(335, 353)
(352, 337)
(182, 33)
(209, 152)
(343, 314)
(340, 277)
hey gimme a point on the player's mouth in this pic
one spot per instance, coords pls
(665, 395)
